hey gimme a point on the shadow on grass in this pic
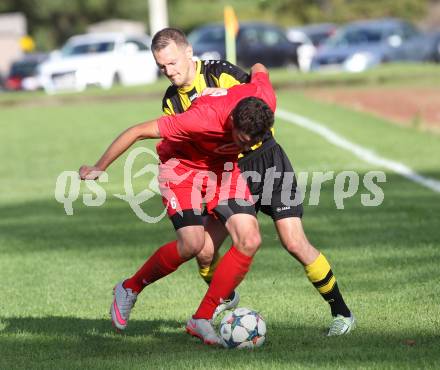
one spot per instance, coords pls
(407, 216)
(43, 225)
(70, 340)
(80, 327)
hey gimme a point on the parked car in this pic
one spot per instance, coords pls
(436, 46)
(308, 39)
(255, 42)
(99, 59)
(363, 44)
(2, 83)
(23, 73)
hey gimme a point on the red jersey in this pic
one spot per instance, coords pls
(201, 137)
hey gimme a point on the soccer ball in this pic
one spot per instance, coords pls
(243, 328)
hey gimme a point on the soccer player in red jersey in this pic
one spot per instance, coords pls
(198, 156)
(268, 163)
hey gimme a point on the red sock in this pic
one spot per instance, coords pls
(163, 262)
(228, 275)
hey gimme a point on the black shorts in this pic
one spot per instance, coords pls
(224, 210)
(273, 182)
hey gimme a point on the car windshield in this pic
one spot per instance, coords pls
(88, 48)
(355, 36)
(213, 35)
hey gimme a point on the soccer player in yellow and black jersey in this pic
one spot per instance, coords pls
(173, 55)
(209, 73)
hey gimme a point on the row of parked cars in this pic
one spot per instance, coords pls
(106, 59)
(353, 47)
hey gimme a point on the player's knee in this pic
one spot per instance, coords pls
(192, 247)
(205, 257)
(297, 246)
(249, 244)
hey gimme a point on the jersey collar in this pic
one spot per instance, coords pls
(189, 88)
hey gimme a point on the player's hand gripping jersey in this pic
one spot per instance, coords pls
(201, 137)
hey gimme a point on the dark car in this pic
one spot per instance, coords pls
(256, 42)
(23, 73)
(435, 36)
(2, 83)
(363, 44)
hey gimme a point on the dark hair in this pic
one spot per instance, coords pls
(253, 117)
(163, 38)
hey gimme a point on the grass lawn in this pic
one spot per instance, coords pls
(57, 271)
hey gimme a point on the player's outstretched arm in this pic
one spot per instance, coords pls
(145, 130)
(258, 67)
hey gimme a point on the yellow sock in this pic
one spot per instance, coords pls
(321, 275)
(207, 272)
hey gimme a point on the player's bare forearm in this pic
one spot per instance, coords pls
(258, 67)
(145, 130)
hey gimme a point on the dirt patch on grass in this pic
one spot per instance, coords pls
(410, 106)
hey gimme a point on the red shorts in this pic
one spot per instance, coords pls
(186, 188)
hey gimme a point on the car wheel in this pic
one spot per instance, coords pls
(437, 53)
(116, 79)
(109, 81)
(292, 64)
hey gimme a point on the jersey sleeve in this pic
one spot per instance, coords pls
(265, 89)
(224, 74)
(187, 125)
(171, 103)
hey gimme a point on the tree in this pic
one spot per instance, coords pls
(51, 22)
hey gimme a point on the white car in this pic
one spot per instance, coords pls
(99, 59)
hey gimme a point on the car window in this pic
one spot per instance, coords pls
(249, 36)
(139, 44)
(211, 35)
(409, 31)
(271, 37)
(264, 36)
(88, 48)
(356, 36)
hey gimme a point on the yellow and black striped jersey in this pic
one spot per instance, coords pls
(209, 73)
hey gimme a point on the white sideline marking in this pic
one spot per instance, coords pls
(361, 152)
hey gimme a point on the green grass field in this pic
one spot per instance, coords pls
(57, 271)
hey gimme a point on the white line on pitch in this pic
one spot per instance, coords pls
(361, 152)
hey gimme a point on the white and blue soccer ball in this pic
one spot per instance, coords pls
(243, 328)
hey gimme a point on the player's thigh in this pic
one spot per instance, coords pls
(215, 232)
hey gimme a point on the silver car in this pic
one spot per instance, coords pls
(363, 44)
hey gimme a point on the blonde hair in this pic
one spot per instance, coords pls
(163, 38)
